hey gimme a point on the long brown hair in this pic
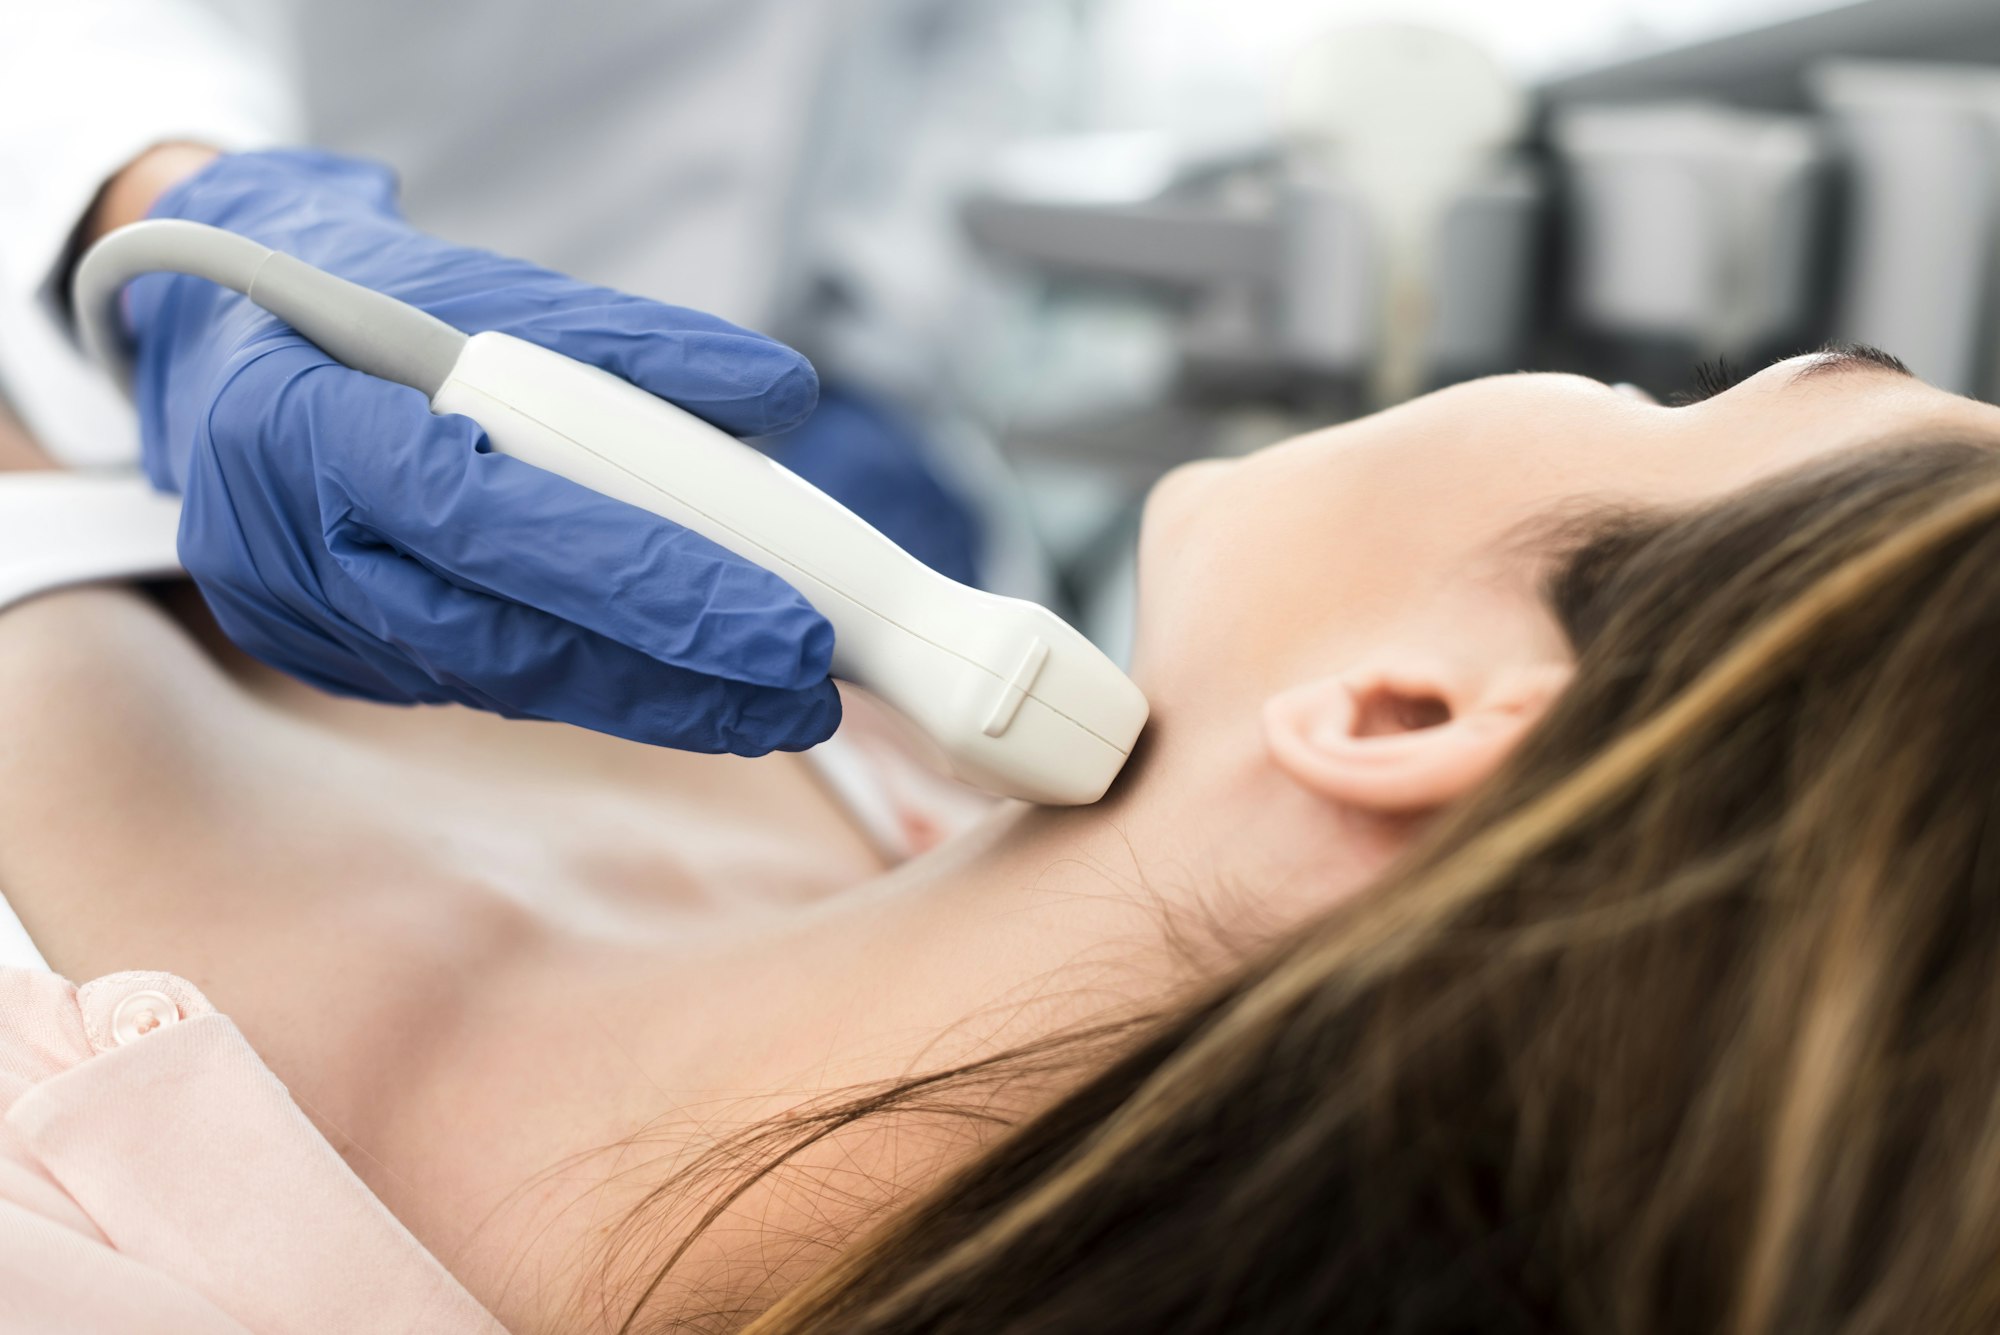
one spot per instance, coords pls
(1689, 1021)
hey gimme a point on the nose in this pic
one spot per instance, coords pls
(1632, 391)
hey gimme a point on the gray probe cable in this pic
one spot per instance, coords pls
(354, 325)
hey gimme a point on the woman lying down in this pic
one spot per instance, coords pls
(1559, 894)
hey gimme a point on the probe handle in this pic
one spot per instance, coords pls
(1012, 699)
(1015, 700)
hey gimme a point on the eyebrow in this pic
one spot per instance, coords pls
(1839, 358)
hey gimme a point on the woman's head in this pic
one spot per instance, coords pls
(1687, 1021)
(1347, 630)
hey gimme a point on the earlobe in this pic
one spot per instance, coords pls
(1404, 743)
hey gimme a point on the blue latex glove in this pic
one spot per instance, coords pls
(344, 534)
(864, 454)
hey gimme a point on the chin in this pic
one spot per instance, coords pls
(1167, 532)
(1175, 501)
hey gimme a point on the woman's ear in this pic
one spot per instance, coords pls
(1406, 740)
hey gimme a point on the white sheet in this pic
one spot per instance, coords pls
(59, 529)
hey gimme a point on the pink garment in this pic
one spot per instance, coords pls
(156, 1179)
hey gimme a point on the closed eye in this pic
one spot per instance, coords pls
(1714, 377)
(1710, 379)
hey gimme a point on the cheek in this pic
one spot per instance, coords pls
(1246, 565)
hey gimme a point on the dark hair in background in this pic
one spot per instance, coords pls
(1688, 1022)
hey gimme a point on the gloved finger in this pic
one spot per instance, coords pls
(381, 462)
(742, 382)
(523, 662)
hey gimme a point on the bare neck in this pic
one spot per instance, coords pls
(1038, 923)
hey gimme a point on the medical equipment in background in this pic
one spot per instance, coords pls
(1386, 240)
(1408, 116)
(1695, 229)
(1921, 149)
(1902, 94)
(1692, 231)
(1011, 698)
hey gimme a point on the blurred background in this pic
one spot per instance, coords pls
(1220, 251)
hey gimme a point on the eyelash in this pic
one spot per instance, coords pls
(1710, 379)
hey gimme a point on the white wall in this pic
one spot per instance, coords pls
(1210, 68)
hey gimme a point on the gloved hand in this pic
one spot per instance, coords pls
(344, 534)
